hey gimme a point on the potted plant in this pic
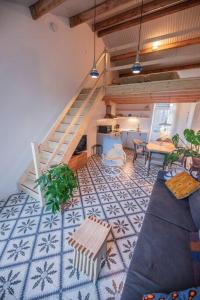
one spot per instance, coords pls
(190, 147)
(57, 185)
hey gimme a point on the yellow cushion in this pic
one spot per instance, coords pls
(182, 185)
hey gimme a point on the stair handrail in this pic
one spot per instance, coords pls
(71, 102)
(62, 140)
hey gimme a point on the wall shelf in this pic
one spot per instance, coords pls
(126, 117)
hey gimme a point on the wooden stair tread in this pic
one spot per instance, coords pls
(57, 141)
(50, 151)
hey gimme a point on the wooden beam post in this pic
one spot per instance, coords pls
(36, 162)
(42, 7)
(151, 16)
(107, 67)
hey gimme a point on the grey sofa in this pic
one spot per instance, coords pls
(162, 259)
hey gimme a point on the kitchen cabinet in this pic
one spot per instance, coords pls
(128, 137)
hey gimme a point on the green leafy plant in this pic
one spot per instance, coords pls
(57, 185)
(190, 147)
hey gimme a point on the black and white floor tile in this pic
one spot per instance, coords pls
(36, 261)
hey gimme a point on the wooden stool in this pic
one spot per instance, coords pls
(90, 245)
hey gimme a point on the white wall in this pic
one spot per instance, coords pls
(196, 118)
(184, 117)
(132, 123)
(141, 115)
(39, 73)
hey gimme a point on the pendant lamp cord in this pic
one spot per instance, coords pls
(138, 50)
(94, 32)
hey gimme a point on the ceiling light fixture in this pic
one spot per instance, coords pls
(137, 68)
(155, 45)
(94, 73)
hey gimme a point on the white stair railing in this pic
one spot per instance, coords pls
(76, 117)
(80, 110)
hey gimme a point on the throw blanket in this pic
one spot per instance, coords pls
(115, 156)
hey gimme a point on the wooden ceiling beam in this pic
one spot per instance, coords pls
(151, 16)
(163, 70)
(100, 9)
(179, 44)
(151, 99)
(134, 13)
(42, 7)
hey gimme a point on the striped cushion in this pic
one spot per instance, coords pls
(195, 251)
(190, 294)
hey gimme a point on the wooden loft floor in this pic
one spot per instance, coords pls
(169, 91)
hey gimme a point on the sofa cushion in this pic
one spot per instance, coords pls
(194, 202)
(164, 205)
(161, 261)
(195, 252)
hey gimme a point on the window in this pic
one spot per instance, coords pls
(163, 120)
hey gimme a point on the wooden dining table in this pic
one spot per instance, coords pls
(158, 147)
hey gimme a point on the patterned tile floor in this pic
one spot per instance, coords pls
(35, 258)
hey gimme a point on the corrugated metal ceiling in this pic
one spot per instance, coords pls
(181, 21)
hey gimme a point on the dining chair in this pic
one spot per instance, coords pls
(139, 148)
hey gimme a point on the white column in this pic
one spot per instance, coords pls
(37, 166)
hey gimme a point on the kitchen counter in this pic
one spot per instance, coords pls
(106, 140)
(132, 130)
(127, 137)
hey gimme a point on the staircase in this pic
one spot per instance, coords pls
(64, 136)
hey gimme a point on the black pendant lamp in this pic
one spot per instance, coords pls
(137, 68)
(94, 73)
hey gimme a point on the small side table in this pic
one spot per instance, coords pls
(90, 246)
